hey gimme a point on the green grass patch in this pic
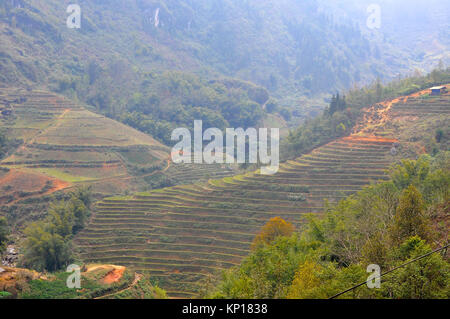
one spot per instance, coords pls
(56, 288)
(4, 294)
(56, 173)
(117, 198)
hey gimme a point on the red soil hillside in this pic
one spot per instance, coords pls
(412, 119)
(20, 184)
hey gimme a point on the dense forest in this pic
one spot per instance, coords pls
(128, 55)
(173, 99)
(298, 48)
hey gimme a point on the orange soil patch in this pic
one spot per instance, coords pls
(95, 267)
(422, 149)
(354, 138)
(112, 276)
(12, 278)
(59, 185)
(168, 165)
(137, 278)
(378, 114)
(24, 181)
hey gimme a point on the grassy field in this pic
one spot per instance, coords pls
(62, 175)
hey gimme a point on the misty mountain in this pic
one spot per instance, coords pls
(294, 49)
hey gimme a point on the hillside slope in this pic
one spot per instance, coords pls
(292, 48)
(97, 281)
(64, 145)
(181, 234)
(405, 24)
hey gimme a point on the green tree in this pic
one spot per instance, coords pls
(45, 250)
(80, 214)
(274, 228)
(409, 219)
(4, 232)
(346, 227)
(438, 135)
(48, 242)
(307, 279)
(271, 106)
(315, 280)
(333, 104)
(267, 273)
(341, 129)
(83, 193)
(286, 114)
(60, 219)
(410, 172)
(375, 251)
(378, 90)
(427, 278)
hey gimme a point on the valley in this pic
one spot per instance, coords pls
(105, 106)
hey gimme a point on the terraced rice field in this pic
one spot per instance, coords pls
(183, 233)
(418, 106)
(391, 118)
(67, 145)
(185, 173)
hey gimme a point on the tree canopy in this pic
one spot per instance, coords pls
(4, 232)
(386, 224)
(48, 242)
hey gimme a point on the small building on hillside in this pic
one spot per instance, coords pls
(438, 90)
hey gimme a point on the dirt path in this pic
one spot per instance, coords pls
(57, 124)
(378, 114)
(137, 278)
(168, 165)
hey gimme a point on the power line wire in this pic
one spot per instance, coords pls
(389, 271)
